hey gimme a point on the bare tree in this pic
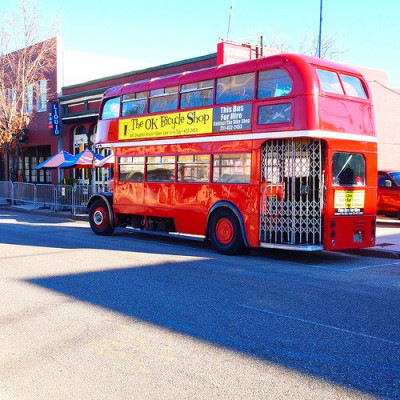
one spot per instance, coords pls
(24, 60)
(306, 45)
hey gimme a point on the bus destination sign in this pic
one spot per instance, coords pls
(220, 119)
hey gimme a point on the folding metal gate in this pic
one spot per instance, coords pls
(292, 194)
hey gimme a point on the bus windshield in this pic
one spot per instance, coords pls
(348, 169)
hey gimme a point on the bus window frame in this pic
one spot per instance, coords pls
(133, 100)
(140, 176)
(195, 90)
(242, 100)
(147, 163)
(109, 100)
(355, 184)
(195, 163)
(273, 97)
(227, 181)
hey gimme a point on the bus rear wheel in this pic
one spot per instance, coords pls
(225, 233)
(99, 218)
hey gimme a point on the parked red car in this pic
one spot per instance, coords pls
(389, 193)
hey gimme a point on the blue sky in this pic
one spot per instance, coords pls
(161, 31)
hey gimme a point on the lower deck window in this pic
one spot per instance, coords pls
(193, 168)
(231, 168)
(160, 168)
(131, 169)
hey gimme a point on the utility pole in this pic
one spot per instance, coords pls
(320, 29)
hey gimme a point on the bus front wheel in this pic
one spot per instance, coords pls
(225, 233)
(99, 218)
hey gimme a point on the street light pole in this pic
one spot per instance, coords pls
(320, 29)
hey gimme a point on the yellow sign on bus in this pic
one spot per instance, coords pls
(164, 125)
(350, 202)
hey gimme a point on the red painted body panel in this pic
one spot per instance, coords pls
(347, 225)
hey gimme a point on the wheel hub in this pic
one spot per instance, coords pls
(98, 217)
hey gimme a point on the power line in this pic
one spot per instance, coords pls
(384, 86)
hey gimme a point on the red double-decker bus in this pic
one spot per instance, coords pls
(272, 152)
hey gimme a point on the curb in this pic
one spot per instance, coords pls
(68, 215)
(374, 252)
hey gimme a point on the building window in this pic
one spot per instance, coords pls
(41, 96)
(12, 97)
(29, 99)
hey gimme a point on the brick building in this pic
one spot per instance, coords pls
(40, 143)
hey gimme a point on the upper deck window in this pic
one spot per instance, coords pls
(273, 83)
(329, 81)
(235, 88)
(111, 108)
(341, 84)
(353, 86)
(134, 104)
(197, 94)
(164, 99)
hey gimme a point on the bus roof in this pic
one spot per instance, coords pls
(278, 60)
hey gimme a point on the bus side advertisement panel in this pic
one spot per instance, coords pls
(198, 122)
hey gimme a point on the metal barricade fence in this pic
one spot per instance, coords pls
(63, 197)
(5, 192)
(45, 196)
(24, 193)
(81, 195)
(57, 198)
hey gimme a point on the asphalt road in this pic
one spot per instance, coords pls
(134, 316)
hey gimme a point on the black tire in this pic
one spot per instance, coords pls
(99, 218)
(225, 233)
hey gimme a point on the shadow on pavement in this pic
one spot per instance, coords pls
(312, 320)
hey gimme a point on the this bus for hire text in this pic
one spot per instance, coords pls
(274, 152)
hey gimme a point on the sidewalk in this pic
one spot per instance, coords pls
(387, 239)
(29, 208)
(387, 230)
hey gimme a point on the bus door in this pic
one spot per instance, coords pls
(292, 194)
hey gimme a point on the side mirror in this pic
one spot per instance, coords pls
(388, 183)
